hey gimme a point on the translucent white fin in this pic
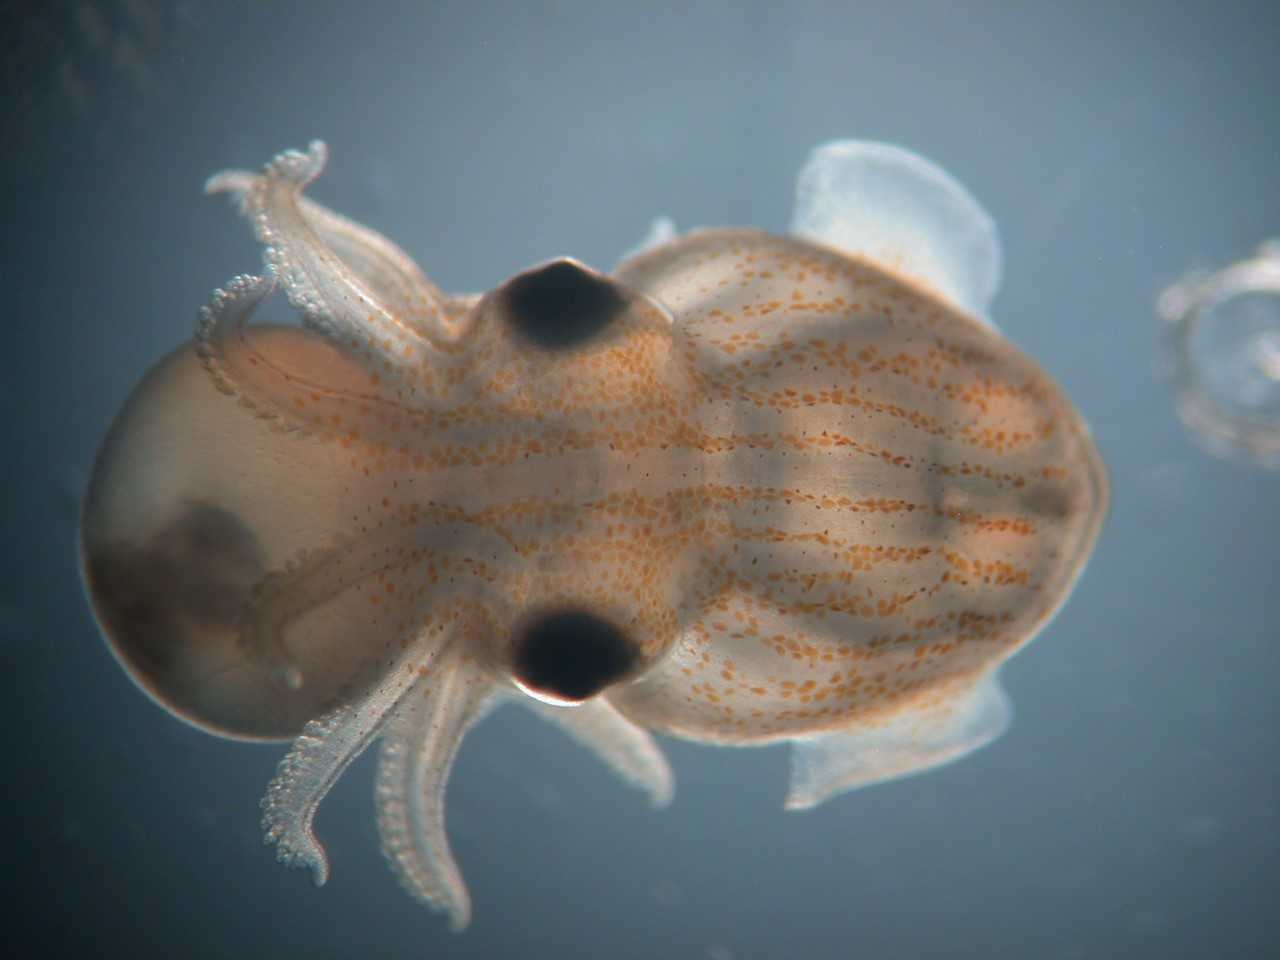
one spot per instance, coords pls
(417, 754)
(903, 212)
(662, 230)
(323, 750)
(915, 741)
(628, 750)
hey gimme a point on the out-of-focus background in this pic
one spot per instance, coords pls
(1132, 810)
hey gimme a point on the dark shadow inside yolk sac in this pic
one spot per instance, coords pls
(572, 655)
(193, 574)
(561, 304)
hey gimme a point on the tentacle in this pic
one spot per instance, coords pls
(306, 385)
(283, 596)
(424, 685)
(302, 381)
(627, 748)
(331, 293)
(417, 755)
(390, 273)
(223, 349)
(317, 759)
(384, 571)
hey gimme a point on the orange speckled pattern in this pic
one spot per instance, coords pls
(747, 488)
(893, 495)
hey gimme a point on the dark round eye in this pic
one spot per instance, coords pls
(560, 304)
(571, 655)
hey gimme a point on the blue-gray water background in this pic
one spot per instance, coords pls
(1132, 811)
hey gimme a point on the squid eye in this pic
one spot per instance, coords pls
(567, 656)
(560, 304)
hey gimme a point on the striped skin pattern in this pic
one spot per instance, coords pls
(762, 489)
